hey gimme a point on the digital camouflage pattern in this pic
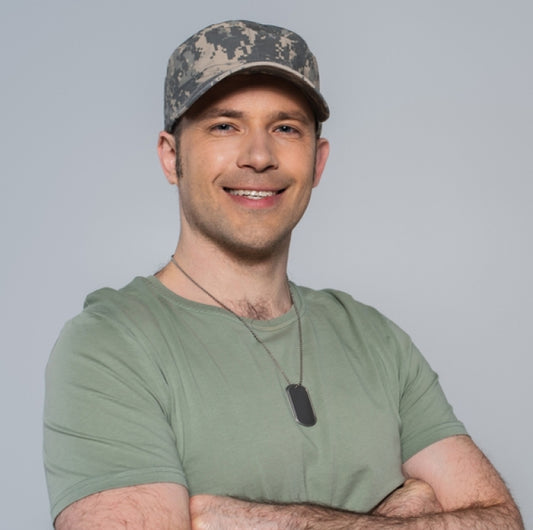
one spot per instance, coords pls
(226, 48)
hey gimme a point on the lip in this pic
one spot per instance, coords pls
(255, 200)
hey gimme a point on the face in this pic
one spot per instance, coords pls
(249, 158)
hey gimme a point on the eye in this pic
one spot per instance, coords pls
(286, 129)
(222, 127)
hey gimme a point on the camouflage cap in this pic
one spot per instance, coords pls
(227, 48)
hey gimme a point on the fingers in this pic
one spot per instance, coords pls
(414, 499)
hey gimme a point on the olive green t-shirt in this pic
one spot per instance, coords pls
(145, 386)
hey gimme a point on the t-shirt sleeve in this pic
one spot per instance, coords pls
(426, 415)
(106, 418)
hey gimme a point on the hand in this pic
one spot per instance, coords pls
(413, 499)
(202, 511)
(211, 512)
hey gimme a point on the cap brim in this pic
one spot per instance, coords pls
(317, 101)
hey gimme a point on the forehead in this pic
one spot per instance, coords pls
(244, 89)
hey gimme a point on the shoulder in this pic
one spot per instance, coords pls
(337, 300)
(113, 325)
(138, 296)
(362, 330)
(123, 311)
(341, 309)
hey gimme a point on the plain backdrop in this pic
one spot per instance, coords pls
(424, 210)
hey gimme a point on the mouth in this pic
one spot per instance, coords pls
(253, 194)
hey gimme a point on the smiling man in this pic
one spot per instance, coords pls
(248, 159)
(218, 394)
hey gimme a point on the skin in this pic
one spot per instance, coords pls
(254, 135)
(240, 140)
(260, 135)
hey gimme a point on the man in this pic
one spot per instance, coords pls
(217, 394)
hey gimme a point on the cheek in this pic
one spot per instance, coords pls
(221, 158)
(302, 156)
(208, 161)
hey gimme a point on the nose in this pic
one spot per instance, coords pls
(257, 151)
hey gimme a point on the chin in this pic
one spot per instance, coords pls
(254, 252)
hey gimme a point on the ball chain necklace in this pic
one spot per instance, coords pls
(297, 393)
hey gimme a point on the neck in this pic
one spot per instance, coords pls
(255, 290)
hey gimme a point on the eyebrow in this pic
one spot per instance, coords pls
(294, 115)
(220, 112)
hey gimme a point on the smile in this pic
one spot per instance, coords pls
(252, 194)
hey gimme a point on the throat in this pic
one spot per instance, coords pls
(256, 311)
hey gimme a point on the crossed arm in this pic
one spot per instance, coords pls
(450, 485)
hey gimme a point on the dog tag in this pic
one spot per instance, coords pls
(301, 405)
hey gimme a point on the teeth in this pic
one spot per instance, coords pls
(252, 194)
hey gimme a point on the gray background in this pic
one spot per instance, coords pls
(424, 210)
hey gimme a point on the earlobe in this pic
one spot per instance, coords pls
(166, 149)
(321, 157)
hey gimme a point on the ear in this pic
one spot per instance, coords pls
(321, 157)
(166, 149)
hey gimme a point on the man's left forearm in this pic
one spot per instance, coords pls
(498, 517)
(213, 512)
